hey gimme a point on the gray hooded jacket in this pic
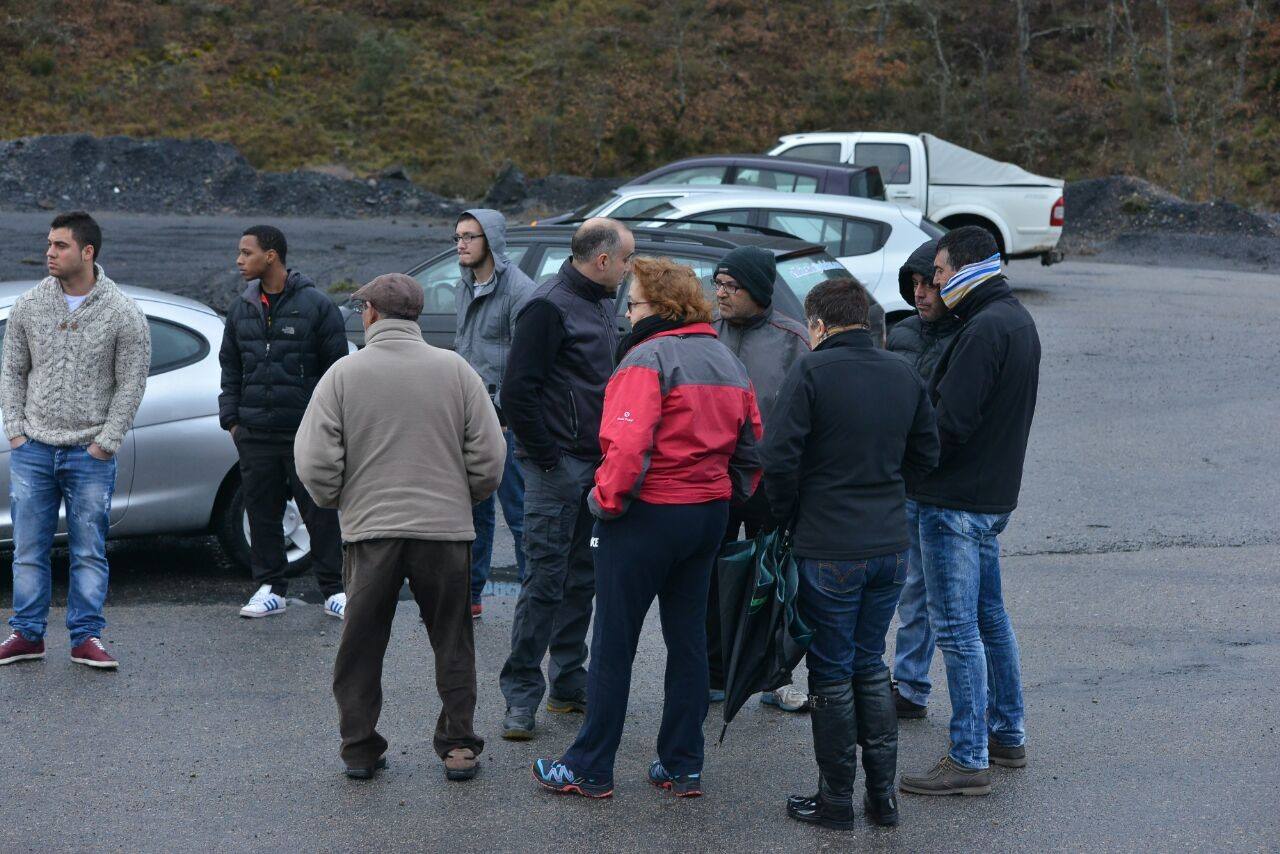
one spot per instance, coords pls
(768, 346)
(487, 314)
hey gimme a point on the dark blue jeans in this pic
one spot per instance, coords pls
(848, 604)
(484, 517)
(655, 550)
(41, 478)
(961, 559)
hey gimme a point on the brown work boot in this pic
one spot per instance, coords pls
(948, 778)
(1006, 757)
(461, 764)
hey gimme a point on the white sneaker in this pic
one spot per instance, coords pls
(789, 698)
(264, 603)
(336, 605)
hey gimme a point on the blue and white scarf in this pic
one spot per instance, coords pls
(968, 278)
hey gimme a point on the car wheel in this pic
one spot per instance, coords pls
(233, 533)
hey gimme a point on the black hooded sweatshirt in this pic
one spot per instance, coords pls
(984, 391)
(921, 341)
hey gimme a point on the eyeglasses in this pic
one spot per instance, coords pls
(728, 287)
(359, 305)
(466, 238)
(632, 303)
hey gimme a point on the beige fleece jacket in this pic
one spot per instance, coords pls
(401, 438)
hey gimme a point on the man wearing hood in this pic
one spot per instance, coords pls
(281, 336)
(922, 339)
(490, 294)
(984, 391)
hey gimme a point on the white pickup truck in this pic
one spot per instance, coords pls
(952, 185)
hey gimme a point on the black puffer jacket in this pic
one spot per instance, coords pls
(268, 373)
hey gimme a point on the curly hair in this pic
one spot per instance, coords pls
(673, 289)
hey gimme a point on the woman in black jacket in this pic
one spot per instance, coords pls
(852, 423)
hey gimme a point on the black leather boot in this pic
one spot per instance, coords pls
(877, 718)
(835, 747)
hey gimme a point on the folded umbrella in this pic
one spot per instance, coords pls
(762, 636)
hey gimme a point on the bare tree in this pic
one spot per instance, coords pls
(1249, 13)
(1135, 47)
(944, 68)
(1024, 47)
(1170, 95)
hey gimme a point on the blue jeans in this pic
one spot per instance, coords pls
(484, 518)
(913, 651)
(40, 477)
(848, 604)
(962, 578)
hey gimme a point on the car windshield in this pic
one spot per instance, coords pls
(594, 207)
(802, 273)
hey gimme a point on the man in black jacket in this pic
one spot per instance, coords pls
(562, 355)
(921, 339)
(841, 467)
(984, 389)
(281, 336)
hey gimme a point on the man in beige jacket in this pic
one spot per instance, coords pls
(402, 439)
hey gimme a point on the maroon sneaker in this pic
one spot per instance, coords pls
(18, 648)
(94, 654)
(476, 610)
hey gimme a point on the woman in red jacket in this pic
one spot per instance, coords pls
(679, 436)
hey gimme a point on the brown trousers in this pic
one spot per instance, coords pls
(439, 575)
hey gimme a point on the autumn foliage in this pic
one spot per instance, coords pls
(1184, 93)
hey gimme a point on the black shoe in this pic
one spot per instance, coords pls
(367, 773)
(882, 809)
(1006, 757)
(518, 725)
(577, 704)
(680, 785)
(817, 810)
(908, 710)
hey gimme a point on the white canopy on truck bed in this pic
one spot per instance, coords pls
(952, 164)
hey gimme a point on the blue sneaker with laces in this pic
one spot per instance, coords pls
(680, 785)
(555, 775)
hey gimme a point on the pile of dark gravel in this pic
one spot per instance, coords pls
(190, 176)
(1103, 208)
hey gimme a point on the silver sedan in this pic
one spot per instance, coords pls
(177, 471)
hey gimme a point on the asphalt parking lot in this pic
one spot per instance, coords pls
(1140, 572)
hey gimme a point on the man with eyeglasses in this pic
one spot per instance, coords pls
(490, 294)
(562, 356)
(768, 343)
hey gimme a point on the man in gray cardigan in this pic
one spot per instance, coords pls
(402, 439)
(76, 356)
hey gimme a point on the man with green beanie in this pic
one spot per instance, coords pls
(768, 343)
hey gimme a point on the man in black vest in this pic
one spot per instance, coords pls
(562, 355)
(282, 335)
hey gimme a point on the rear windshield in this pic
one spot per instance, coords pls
(931, 228)
(591, 208)
(803, 272)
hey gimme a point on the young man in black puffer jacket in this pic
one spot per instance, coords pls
(922, 339)
(282, 335)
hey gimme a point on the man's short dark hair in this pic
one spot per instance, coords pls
(594, 240)
(269, 237)
(968, 244)
(84, 230)
(838, 303)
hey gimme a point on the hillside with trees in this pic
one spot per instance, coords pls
(1185, 94)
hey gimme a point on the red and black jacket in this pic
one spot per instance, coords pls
(680, 425)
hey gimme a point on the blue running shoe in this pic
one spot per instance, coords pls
(680, 785)
(555, 775)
